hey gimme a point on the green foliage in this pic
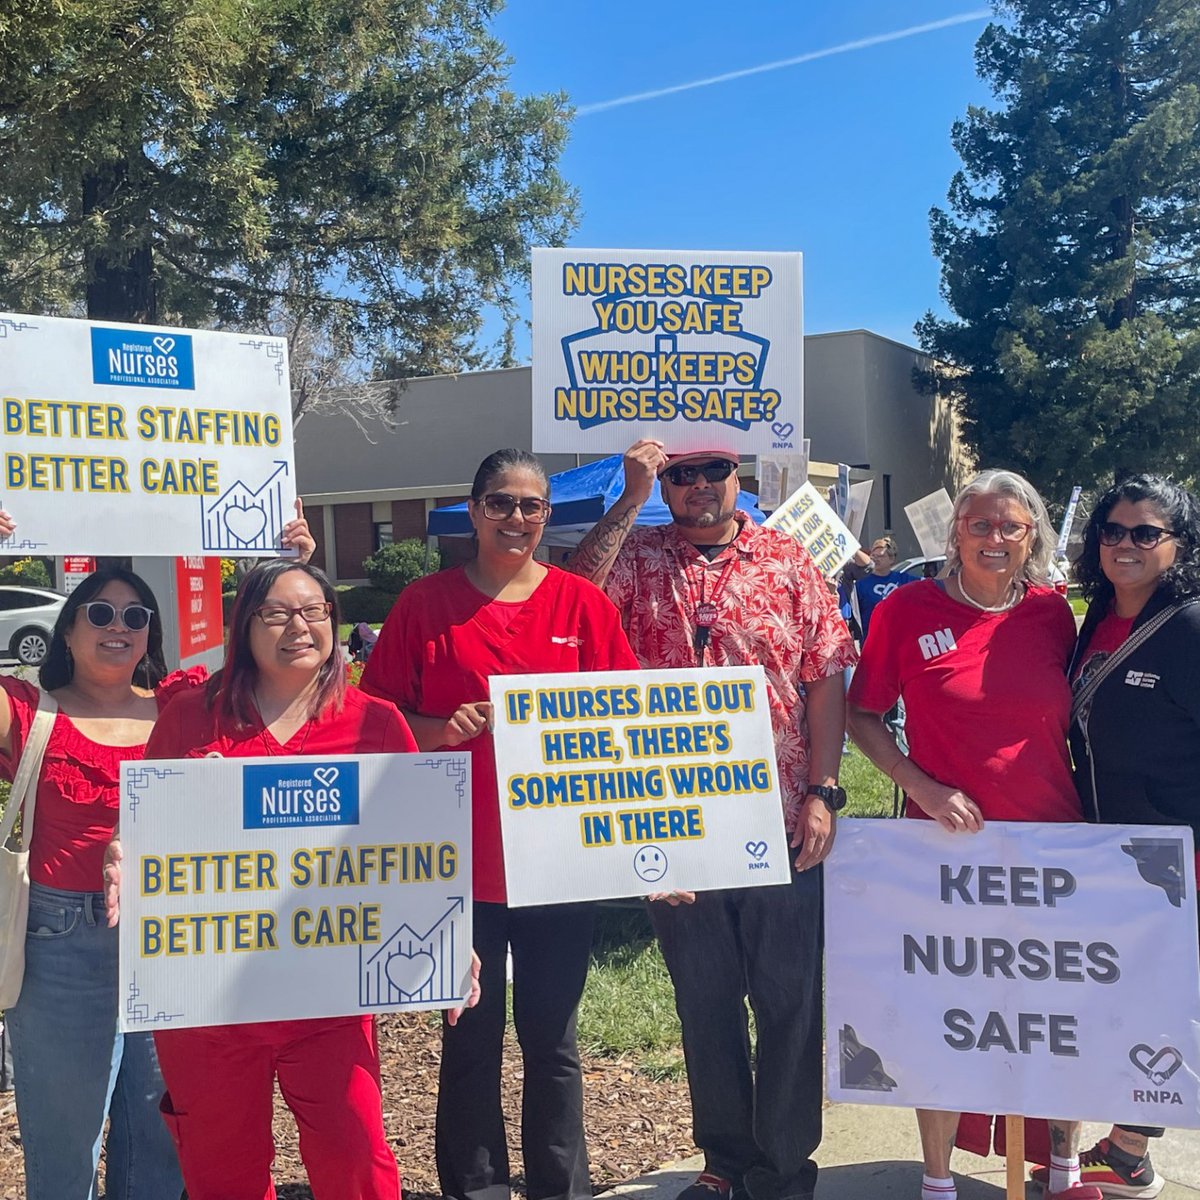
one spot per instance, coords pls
(869, 791)
(393, 567)
(1071, 247)
(361, 165)
(368, 604)
(30, 571)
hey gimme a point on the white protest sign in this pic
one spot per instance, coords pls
(701, 349)
(622, 783)
(139, 439)
(1033, 969)
(780, 476)
(930, 519)
(286, 888)
(856, 506)
(1064, 534)
(808, 519)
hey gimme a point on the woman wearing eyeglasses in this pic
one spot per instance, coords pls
(980, 660)
(282, 692)
(73, 1067)
(1137, 749)
(503, 613)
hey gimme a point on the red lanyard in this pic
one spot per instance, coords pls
(704, 613)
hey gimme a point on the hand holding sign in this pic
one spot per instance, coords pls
(642, 462)
(7, 525)
(467, 722)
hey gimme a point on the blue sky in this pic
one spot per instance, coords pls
(840, 157)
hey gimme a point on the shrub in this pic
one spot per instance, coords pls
(365, 604)
(30, 571)
(392, 568)
(228, 571)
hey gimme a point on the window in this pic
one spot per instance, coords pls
(383, 534)
(14, 598)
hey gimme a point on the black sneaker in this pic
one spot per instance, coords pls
(1114, 1172)
(707, 1186)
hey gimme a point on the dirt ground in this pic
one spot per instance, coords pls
(634, 1124)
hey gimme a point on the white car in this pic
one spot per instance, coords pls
(27, 616)
(917, 566)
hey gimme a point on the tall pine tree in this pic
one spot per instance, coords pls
(1071, 248)
(358, 170)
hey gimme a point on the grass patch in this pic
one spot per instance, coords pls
(869, 792)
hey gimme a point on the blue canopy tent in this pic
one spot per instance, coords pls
(581, 496)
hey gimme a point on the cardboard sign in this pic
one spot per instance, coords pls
(808, 519)
(930, 519)
(1041, 970)
(856, 507)
(625, 783)
(138, 439)
(781, 476)
(700, 349)
(283, 888)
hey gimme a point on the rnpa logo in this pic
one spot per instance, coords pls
(279, 795)
(128, 358)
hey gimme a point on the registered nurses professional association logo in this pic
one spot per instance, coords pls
(280, 795)
(131, 358)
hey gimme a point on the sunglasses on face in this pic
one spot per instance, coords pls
(1010, 531)
(279, 614)
(499, 506)
(714, 472)
(100, 615)
(1144, 537)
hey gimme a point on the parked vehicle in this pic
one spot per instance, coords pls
(27, 616)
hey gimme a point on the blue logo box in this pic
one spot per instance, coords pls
(129, 358)
(282, 794)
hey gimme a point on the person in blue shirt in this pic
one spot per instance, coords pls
(883, 580)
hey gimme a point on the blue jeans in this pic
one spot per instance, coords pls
(73, 1067)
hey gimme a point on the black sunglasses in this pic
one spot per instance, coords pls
(686, 474)
(1144, 537)
(499, 506)
(100, 615)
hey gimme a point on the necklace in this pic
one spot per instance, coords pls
(1014, 596)
(262, 733)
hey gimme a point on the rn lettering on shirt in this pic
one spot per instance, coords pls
(937, 643)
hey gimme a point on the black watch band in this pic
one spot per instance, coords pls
(834, 797)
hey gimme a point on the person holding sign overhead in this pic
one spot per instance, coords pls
(714, 589)
(979, 659)
(1135, 720)
(282, 692)
(503, 613)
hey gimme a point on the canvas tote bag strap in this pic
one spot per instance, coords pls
(24, 788)
(1084, 695)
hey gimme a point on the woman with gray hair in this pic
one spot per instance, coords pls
(979, 658)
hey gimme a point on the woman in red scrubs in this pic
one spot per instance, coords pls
(282, 692)
(503, 613)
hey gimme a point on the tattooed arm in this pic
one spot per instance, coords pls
(599, 549)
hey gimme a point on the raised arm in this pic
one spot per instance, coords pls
(599, 549)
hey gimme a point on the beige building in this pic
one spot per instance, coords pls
(366, 484)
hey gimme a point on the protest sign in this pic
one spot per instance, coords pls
(701, 349)
(1064, 534)
(623, 783)
(780, 476)
(808, 519)
(1040, 970)
(856, 506)
(930, 519)
(284, 888)
(138, 439)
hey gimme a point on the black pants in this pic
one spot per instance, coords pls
(551, 946)
(756, 1126)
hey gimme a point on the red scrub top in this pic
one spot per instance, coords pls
(444, 639)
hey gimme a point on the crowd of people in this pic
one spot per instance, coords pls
(1014, 717)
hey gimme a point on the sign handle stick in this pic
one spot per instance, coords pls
(1014, 1157)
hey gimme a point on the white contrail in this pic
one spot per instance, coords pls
(980, 14)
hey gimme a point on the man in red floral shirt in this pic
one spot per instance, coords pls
(714, 589)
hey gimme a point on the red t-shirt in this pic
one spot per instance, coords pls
(986, 697)
(1108, 636)
(444, 639)
(78, 795)
(189, 728)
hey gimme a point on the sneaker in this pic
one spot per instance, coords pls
(707, 1186)
(1103, 1170)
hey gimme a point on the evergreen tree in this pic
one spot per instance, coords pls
(355, 168)
(1071, 249)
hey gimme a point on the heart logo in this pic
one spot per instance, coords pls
(409, 973)
(164, 344)
(326, 775)
(756, 849)
(783, 432)
(1157, 1067)
(245, 524)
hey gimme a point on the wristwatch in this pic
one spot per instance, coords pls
(834, 797)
